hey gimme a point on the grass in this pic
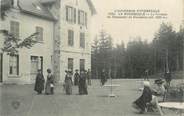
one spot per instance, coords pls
(95, 104)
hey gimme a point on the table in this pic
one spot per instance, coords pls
(173, 105)
(111, 89)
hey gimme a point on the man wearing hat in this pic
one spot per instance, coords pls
(159, 88)
(158, 93)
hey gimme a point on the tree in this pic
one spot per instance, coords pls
(12, 43)
(101, 53)
(5, 6)
(167, 44)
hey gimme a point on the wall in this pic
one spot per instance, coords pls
(28, 25)
(75, 51)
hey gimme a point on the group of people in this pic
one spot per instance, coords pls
(150, 95)
(81, 80)
(40, 82)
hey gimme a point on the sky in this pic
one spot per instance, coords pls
(125, 29)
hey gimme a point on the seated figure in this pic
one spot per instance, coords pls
(141, 103)
(158, 92)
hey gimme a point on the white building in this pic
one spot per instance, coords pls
(64, 38)
(75, 35)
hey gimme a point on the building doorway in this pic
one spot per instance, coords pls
(1, 67)
(36, 63)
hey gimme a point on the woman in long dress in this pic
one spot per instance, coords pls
(68, 82)
(39, 82)
(49, 88)
(76, 77)
(82, 83)
(141, 103)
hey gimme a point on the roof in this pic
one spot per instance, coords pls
(92, 7)
(38, 8)
(47, 1)
(34, 7)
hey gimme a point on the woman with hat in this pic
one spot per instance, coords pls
(141, 103)
(68, 82)
(49, 88)
(76, 77)
(82, 83)
(39, 82)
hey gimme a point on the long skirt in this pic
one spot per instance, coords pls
(48, 88)
(68, 87)
(39, 86)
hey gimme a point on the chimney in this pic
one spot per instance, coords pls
(15, 3)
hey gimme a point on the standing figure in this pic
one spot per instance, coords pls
(76, 77)
(168, 79)
(89, 77)
(82, 83)
(103, 77)
(146, 74)
(68, 82)
(39, 82)
(49, 89)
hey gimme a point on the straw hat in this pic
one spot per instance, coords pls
(146, 83)
(159, 81)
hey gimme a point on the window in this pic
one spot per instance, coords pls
(14, 65)
(70, 63)
(70, 14)
(82, 40)
(82, 64)
(39, 30)
(34, 65)
(14, 28)
(82, 18)
(70, 37)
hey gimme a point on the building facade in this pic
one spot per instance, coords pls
(64, 38)
(75, 35)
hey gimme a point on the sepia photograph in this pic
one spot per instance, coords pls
(91, 57)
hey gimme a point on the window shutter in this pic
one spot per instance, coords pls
(79, 17)
(66, 13)
(86, 21)
(17, 64)
(74, 15)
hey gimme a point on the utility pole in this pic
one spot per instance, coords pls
(167, 62)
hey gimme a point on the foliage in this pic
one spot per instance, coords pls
(166, 50)
(13, 43)
(5, 6)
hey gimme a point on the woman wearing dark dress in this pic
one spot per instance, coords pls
(141, 103)
(76, 77)
(39, 82)
(82, 83)
(49, 88)
(103, 77)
